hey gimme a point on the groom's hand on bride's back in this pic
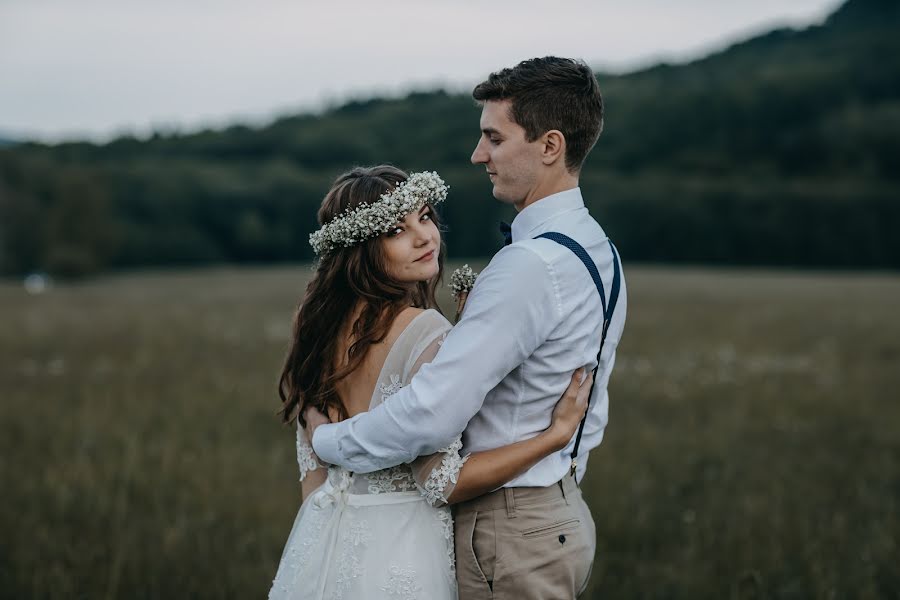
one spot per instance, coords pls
(572, 406)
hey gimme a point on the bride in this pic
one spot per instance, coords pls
(367, 323)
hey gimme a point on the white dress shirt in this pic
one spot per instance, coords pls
(533, 318)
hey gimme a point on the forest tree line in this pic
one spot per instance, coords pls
(781, 150)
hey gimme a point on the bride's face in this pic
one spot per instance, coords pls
(411, 247)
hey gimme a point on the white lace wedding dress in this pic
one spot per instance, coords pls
(387, 534)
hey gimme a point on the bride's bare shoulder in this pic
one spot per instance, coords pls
(401, 322)
(410, 314)
(407, 315)
(432, 321)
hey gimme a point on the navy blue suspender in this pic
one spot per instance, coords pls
(608, 310)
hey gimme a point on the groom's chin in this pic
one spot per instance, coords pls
(501, 197)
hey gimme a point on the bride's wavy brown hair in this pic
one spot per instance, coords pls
(345, 278)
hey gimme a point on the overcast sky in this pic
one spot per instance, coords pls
(95, 68)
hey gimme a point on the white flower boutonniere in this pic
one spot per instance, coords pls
(462, 280)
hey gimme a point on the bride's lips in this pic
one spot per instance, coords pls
(427, 256)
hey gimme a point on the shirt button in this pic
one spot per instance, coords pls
(562, 539)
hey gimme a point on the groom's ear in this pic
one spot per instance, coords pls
(554, 147)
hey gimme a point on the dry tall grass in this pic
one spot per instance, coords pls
(753, 449)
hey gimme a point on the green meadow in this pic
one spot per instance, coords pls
(753, 449)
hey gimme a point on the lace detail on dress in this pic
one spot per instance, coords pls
(445, 524)
(390, 388)
(393, 479)
(433, 488)
(296, 558)
(402, 584)
(355, 537)
(306, 459)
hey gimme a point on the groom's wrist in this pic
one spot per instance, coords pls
(326, 444)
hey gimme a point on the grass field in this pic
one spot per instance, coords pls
(753, 449)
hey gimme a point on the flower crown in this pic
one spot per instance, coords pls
(366, 221)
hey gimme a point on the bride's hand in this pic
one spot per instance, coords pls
(571, 408)
(313, 418)
(461, 304)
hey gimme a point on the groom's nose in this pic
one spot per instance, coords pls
(479, 155)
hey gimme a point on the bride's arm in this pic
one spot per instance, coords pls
(483, 472)
(488, 470)
(312, 472)
(312, 481)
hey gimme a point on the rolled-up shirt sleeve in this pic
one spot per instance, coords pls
(512, 310)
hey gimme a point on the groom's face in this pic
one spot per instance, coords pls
(513, 164)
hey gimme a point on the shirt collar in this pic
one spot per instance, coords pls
(539, 212)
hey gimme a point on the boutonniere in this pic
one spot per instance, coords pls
(462, 280)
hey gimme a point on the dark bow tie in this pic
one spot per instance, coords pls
(506, 230)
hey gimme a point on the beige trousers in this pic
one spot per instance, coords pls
(525, 543)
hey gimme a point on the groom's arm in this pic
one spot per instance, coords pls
(510, 312)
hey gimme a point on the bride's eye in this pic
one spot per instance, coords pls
(396, 230)
(426, 216)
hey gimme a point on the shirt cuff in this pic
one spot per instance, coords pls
(325, 443)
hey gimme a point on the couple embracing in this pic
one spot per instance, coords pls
(437, 461)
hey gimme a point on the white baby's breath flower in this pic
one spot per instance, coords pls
(462, 280)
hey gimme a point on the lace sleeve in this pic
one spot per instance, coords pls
(306, 458)
(436, 474)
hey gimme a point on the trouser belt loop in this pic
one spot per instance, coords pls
(510, 502)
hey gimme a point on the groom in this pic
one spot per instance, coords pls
(533, 317)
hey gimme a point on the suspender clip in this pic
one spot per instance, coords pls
(573, 467)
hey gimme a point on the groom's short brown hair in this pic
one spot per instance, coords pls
(551, 93)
